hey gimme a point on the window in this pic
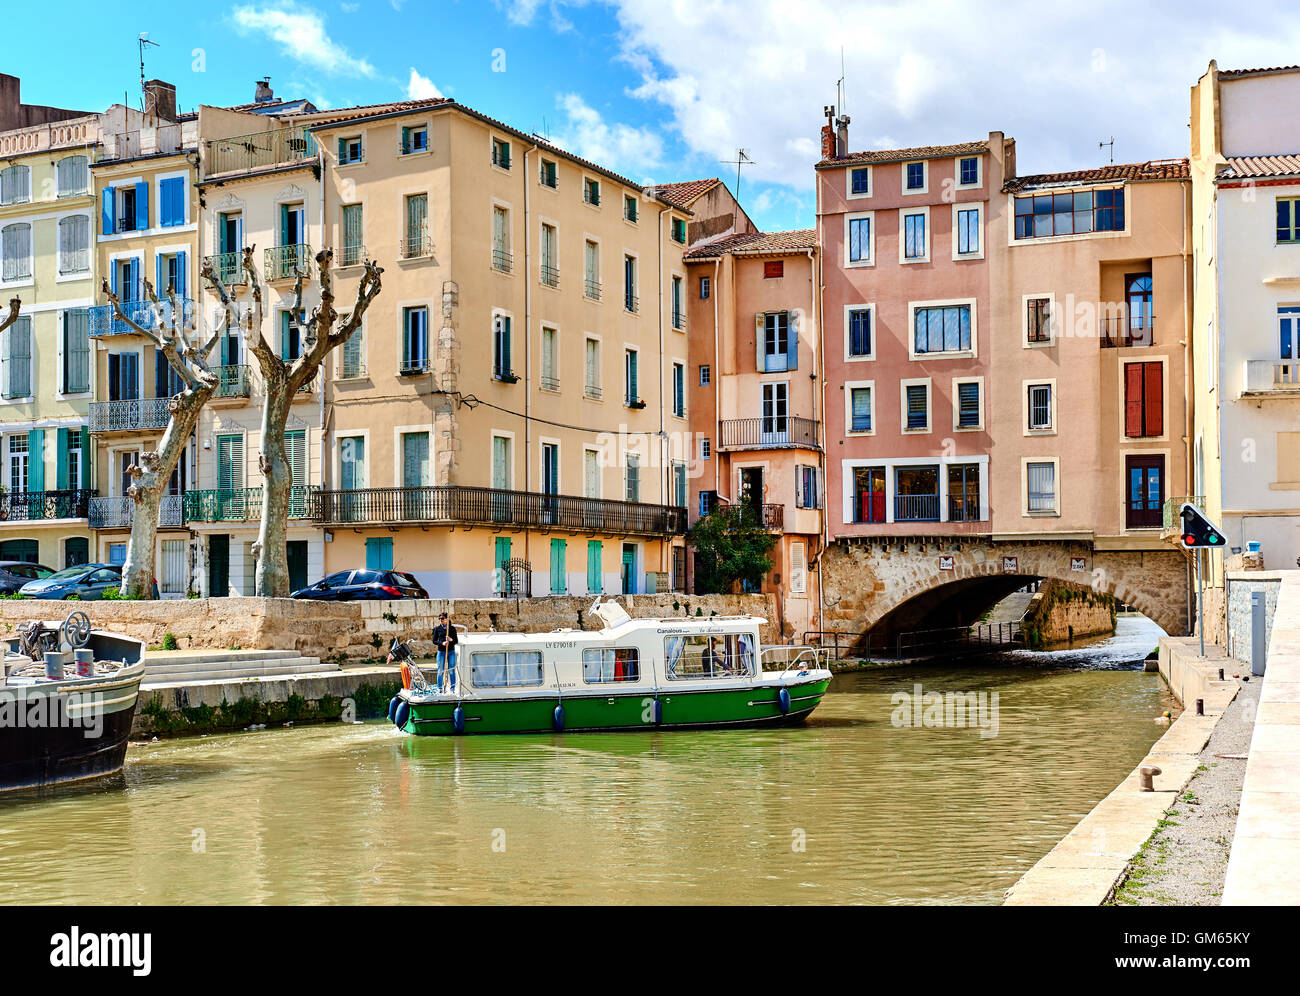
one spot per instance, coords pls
(501, 368)
(869, 494)
(1038, 319)
(549, 175)
(591, 191)
(916, 494)
(860, 181)
(963, 492)
(1143, 399)
(692, 657)
(415, 339)
(171, 203)
(679, 230)
(968, 231)
(916, 407)
(629, 208)
(914, 236)
(171, 273)
(860, 239)
(15, 184)
(416, 243)
(18, 462)
(706, 448)
(1040, 487)
(679, 309)
(704, 375)
(945, 329)
(1145, 494)
(629, 284)
(679, 484)
(859, 409)
(353, 248)
(500, 153)
(16, 359)
(350, 150)
(591, 380)
(1040, 216)
(1138, 289)
(1288, 219)
(859, 333)
(123, 376)
(632, 489)
(76, 351)
(611, 664)
(630, 396)
(968, 404)
(807, 492)
(501, 256)
(511, 669)
(353, 359)
(914, 176)
(72, 176)
(773, 268)
(968, 171)
(1288, 327)
(1040, 407)
(704, 288)
(414, 139)
(679, 390)
(550, 363)
(16, 251)
(591, 270)
(778, 344)
(559, 576)
(708, 501)
(125, 208)
(291, 334)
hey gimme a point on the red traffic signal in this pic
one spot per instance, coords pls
(1198, 531)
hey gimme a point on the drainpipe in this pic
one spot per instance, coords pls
(528, 341)
(665, 472)
(1189, 357)
(819, 303)
(717, 380)
(819, 411)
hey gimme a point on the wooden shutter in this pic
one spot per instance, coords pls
(558, 551)
(295, 450)
(106, 212)
(798, 569)
(792, 339)
(415, 459)
(760, 337)
(36, 460)
(594, 549)
(1133, 399)
(1153, 399)
(142, 205)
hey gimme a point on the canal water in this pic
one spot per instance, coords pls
(851, 808)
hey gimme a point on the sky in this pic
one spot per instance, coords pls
(668, 90)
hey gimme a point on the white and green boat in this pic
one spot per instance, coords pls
(633, 674)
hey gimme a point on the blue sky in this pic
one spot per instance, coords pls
(665, 90)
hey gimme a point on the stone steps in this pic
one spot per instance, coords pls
(231, 666)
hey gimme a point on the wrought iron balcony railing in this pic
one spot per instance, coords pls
(549, 383)
(286, 262)
(454, 504)
(1135, 330)
(550, 275)
(135, 414)
(33, 505)
(104, 321)
(261, 149)
(416, 245)
(630, 303)
(119, 512)
(769, 516)
(679, 321)
(777, 430)
(592, 391)
(234, 381)
(242, 504)
(591, 288)
(352, 255)
(503, 261)
(228, 266)
(1173, 506)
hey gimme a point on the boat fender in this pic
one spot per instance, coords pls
(783, 699)
(557, 719)
(458, 720)
(406, 676)
(392, 707)
(659, 712)
(401, 715)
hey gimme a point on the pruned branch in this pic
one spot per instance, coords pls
(122, 317)
(15, 306)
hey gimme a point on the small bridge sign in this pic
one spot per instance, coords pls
(1010, 565)
(945, 563)
(1078, 563)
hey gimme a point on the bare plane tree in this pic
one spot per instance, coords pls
(177, 341)
(281, 381)
(15, 305)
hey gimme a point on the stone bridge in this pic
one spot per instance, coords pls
(896, 584)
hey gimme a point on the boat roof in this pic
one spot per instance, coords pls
(675, 624)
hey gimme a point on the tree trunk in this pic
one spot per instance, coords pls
(272, 577)
(138, 571)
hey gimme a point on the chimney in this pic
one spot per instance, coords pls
(842, 135)
(160, 99)
(828, 133)
(263, 93)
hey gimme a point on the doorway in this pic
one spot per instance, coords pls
(296, 555)
(1146, 491)
(628, 569)
(219, 565)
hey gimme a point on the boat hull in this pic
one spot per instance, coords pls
(752, 705)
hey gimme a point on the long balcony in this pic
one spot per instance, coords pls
(33, 506)
(286, 262)
(764, 433)
(1262, 378)
(134, 415)
(456, 505)
(242, 504)
(118, 513)
(104, 321)
(259, 150)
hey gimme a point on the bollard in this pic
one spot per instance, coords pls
(85, 661)
(1147, 772)
(1220, 674)
(1200, 707)
(53, 664)
(1258, 641)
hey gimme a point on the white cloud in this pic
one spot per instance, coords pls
(616, 146)
(349, 8)
(300, 33)
(420, 87)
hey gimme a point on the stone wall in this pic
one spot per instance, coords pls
(358, 630)
(1063, 612)
(1241, 585)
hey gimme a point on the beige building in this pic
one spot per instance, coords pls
(512, 415)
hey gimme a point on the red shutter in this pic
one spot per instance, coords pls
(1133, 399)
(1154, 421)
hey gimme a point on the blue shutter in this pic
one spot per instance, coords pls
(792, 340)
(61, 461)
(181, 285)
(36, 460)
(160, 287)
(106, 211)
(142, 205)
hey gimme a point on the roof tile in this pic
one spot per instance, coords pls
(1156, 169)
(906, 155)
(1244, 167)
(756, 243)
(687, 192)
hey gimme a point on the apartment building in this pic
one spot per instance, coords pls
(1245, 382)
(907, 242)
(146, 231)
(46, 207)
(755, 399)
(511, 417)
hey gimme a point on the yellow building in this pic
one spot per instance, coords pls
(46, 209)
(512, 416)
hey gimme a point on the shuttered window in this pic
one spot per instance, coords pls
(559, 551)
(16, 251)
(968, 405)
(798, 569)
(592, 381)
(417, 223)
(501, 368)
(74, 244)
(415, 459)
(353, 353)
(353, 248)
(230, 463)
(594, 550)
(590, 474)
(633, 489)
(15, 185)
(171, 202)
(1143, 399)
(76, 350)
(630, 375)
(860, 416)
(918, 408)
(17, 359)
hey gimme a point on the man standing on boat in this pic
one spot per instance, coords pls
(444, 641)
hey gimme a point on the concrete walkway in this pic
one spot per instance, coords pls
(1264, 867)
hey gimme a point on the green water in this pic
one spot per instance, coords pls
(362, 814)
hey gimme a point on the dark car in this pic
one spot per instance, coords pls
(16, 573)
(353, 586)
(87, 581)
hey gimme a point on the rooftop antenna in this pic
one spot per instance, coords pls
(1111, 143)
(142, 41)
(743, 158)
(839, 84)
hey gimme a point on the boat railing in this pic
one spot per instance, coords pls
(792, 658)
(420, 685)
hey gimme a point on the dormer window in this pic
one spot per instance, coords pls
(350, 150)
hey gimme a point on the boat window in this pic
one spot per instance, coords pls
(506, 670)
(611, 664)
(727, 656)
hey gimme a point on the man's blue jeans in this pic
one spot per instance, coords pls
(447, 670)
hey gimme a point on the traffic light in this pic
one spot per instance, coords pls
(1198, 531)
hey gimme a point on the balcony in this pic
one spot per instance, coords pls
(679, 321)
(118, 513)
(233, 381)
(103, 320)
(1124, 332)
(916, 508)
(764, 433)
(1171, 521)
(550, 275)
(591, 289)
(456, 505)
(503, 261)
(242, 504)
(31, 506)
(767, 516)
(162, 139)
(259, 150)
(1262, 378)
(592, 391)
(286, 262)
(416, 245)
(133, 415)
(352, 255)
(228, 267)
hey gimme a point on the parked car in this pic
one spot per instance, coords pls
(87, 581)
(16, 573)
(353, 586)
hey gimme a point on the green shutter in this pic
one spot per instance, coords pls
(295, 449)
(415, 459)
(36, 460)
(594, 573)
(558, 553)
(352, 463)
(61, 462)
(230, 463)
